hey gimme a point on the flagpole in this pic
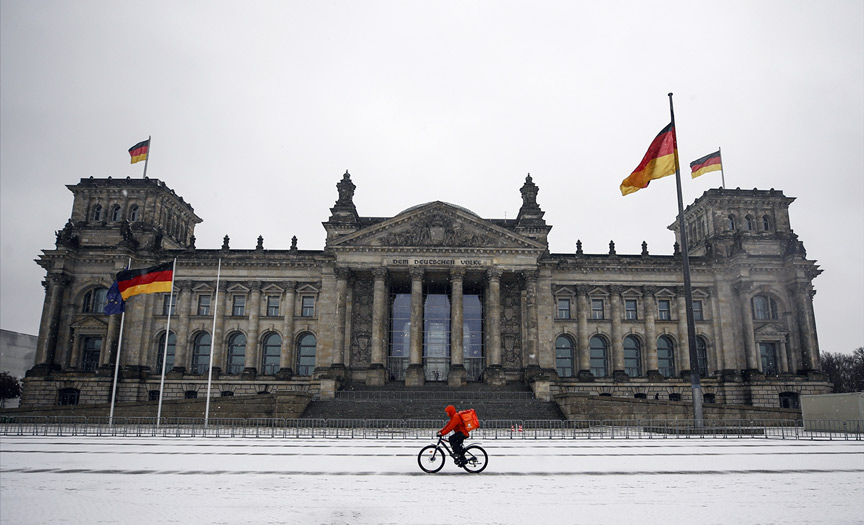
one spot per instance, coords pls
(146, 160)
(117, 362)
(212, 343)
(722, 177)
(167, 337)
(688, 291)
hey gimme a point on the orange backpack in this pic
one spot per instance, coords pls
(469, 417)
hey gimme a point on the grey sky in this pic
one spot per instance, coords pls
(257, 108)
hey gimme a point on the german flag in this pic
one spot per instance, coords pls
(710, 162)
(146, 280)
(658, 162)
(139, 151)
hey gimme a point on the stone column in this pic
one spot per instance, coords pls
(803, 293)
(286, 354)
(531, 279)
(582, 352)
(457, 376)
(220, 307)
(783, 359)
(414, 376)
(52, 309)
(650, 311)
(683, 341)
(754, 364)
(338, 362)
(75, 357)
(250, 366)
(182, 355)
(377, 374)
(494, 373)
(109, 345)
(617, 348)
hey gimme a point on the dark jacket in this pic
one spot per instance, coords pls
(455, 424)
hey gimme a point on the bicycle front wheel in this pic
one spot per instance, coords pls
(475, 459)
(431, 459)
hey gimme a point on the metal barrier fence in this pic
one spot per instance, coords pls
(491, 429)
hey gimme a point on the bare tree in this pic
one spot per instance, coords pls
(845, 371)
(10, 388)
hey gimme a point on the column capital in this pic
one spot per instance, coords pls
(494, 273)
(742, 287)
(649, 290)
(342, 273)
(531, 276)
(457, 274)
(416, 273)
(290, 286)
(582, 290)
(616, 290)
(183, 286)
(60, 279)
(255, 286)
(380, 273)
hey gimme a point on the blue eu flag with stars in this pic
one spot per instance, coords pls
(114, 303)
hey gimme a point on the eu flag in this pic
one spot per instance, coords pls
(114, 303)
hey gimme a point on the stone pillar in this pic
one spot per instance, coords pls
(75, 357)
(250, 366)
(182, 355)
(52, 309)
(783, 358)
(532, 369)
(377, 374)
(457, 376)
(683, 341)
(650, 311)
(754, 364)
(727, 306)
(494, 373)
(414, 376)
(286, 354)
(111, 340)
(582, 351)
(338, 362)
(803, 293)
(617, 348)
(220, 307)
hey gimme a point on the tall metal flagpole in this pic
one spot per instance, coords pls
(117, 362)
(688, 291)
(149, 143)
(212, 343)
(167, 337)
(722, 177)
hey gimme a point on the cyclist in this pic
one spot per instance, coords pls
(460, 433)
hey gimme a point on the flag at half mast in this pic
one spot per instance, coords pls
(139, 151)
(145, 280)
(710, 162)
(658, 162)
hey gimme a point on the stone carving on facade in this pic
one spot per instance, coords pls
(361, 324)
(260, 245)
(66, 238)
(511, 325)
(439, 229)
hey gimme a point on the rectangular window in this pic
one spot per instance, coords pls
(238, 306)
(165, 299)
(563, 308)
(768, 353)
(307, 306)
(630, 309)
(597, 309)
(697, 311)
(203, 305)
(663, 309)
(272, 305)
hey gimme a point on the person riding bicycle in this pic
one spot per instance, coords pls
(460, 433)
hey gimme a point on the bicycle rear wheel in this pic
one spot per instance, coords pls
(475, 459)
(431, 458)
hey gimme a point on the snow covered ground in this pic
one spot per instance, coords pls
(355, 481)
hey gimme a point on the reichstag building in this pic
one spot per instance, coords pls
(435, 294)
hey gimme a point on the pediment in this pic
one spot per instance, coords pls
(770, 329)
(437, 225)
(90, 323)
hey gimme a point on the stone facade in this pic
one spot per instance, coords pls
(433, 294)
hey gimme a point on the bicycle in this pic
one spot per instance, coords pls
(431, 458)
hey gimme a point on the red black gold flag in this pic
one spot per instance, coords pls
(658, 162)
(139, 151)
(145, 280)
(710, 162)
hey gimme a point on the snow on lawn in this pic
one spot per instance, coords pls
(354, 481)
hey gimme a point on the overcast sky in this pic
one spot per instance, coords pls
(256, 109)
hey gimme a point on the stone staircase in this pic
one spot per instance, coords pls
(395, 401)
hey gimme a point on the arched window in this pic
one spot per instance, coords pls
(133, 213)
(94, 301)
(599, 363)
(731, 222)
(748, 223)
(97, 212)
(764, 308)
(632, 357)
(306, 355)
(115, 213)
(766, 223)
(160, 352)
(666, 356)
(236, 353)
(564, 356)
(272, 348)
(201, 353)
(702, 356)
(68, 396)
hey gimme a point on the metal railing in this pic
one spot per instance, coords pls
(493, 429)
